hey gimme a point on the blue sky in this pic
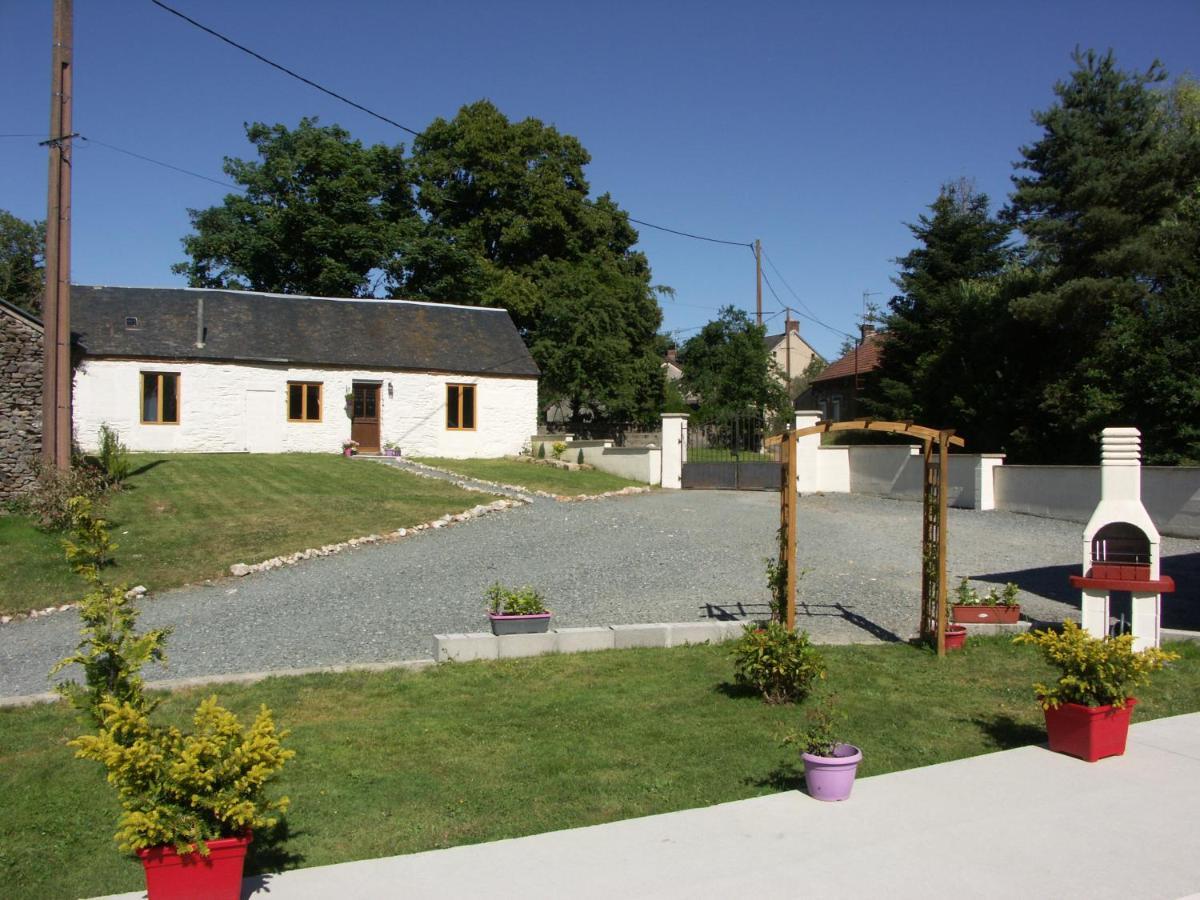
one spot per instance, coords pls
(818, 128)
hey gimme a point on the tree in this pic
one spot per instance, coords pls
(728, 366)
(321, 214)
(947, 360)
(509, 223)
(1105, 203)
(22, 262)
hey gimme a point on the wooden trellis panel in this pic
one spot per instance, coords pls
(933, 542)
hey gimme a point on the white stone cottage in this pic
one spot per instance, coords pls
(216, 371)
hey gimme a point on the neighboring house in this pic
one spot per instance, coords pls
(791, 353)
(837, 389)
(196, 370)
(20, 400)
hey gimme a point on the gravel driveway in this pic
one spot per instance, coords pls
(663, 556)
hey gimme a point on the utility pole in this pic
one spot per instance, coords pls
(56, 306)
(787, 341)
(758, 275)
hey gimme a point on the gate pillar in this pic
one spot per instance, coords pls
(808, 474)
(674, 448)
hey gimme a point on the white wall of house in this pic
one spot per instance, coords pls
(235, 407)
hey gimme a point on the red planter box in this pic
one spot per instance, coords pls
(1089, 732)
(1000, 615)
(217, 876)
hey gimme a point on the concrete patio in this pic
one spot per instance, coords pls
(1023, 822)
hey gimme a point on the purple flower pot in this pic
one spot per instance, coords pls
(832, 777)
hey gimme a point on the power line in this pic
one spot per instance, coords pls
(805, 316)
(791, 291)
(231, 42)
(159, 162)
(697, 237)
(382, 117)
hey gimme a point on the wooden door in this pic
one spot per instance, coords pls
(364, 418)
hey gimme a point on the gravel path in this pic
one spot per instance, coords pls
(664, 556)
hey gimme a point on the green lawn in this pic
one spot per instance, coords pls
(187, 517)
(534, 477)
(402, 762)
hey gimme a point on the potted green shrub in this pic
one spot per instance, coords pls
(516, 611)
(190, 800)
(1088, 708)
(830, 764)
(997, 607)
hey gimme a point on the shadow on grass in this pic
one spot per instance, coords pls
(141, 470)
(737, 691)
(1006, 733)
(785, 777)
(268, 852)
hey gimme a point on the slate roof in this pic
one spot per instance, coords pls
(17, 313)
(869, 356)
(315, 331)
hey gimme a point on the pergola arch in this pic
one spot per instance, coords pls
(936, 443)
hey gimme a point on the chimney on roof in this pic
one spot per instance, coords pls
(867, 330)
(793, 326)
(200, 330)
(671, 354)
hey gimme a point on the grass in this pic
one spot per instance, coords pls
(401, 762)
(534, 477)
(724, 454)
(187, 517)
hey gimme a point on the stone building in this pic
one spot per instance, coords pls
(20, 400)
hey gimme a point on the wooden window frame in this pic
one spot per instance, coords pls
(159, 411)
(474, 406)
(304, 385)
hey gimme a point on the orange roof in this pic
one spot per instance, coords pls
(866, 358)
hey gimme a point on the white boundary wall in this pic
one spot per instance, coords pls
(234, 407)
(1170, 494)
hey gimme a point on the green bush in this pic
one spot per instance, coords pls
(114, 456)
(1093, 671)
(541, 454)
(47, 504)
(559, 448)
(820, 736)
(524, 601)
(779, 664)
(965, 595)
(579, 458)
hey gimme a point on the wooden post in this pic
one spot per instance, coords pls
(793, 528)
(758, 277)
(943, 502)
(56, 305)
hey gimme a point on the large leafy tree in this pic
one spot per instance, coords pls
(22, 268)
(948, 357)
(1106, 198)
(320, 214)
(728, 366)
(508, 222)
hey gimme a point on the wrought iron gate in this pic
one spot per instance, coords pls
(729, 454)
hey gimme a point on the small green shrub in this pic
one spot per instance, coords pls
(541, 454)
(47, 503)
(114, 456)
(1093, 671)
(779, 664)
(820, 735)
(579, 458)
(559, 449)
(523, 601)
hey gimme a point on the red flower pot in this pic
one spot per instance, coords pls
(217, 876)
(1000, 615)
(956, 636)
(1089, 732)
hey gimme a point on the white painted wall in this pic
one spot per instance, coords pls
(1171, 495)
(233, 407)
(642, 464)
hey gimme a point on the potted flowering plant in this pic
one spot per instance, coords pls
(516, 611)
(830, 764)
(391, 448)
(1000, 607)
(349, 447)
(1088, 708)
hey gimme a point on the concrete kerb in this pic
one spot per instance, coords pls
(467, 647)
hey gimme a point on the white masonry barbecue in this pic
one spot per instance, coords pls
(1121, 545)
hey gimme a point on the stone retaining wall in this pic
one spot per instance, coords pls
(20, 401)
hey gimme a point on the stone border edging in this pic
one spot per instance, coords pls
(520, 489)
(480, 645)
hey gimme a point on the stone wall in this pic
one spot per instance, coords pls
(20, 402)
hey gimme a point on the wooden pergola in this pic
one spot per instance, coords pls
(936, 443)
